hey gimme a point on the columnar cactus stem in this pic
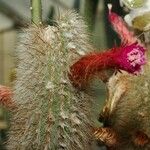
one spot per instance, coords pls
(51, 114)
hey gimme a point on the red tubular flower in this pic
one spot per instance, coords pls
(120, 27)
(5, 96)
(129, 58)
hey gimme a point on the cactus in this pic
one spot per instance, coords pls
(50, 114)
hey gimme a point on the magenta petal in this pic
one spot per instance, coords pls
(131, 58)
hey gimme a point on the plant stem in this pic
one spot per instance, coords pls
(36, 11)
(90, 12)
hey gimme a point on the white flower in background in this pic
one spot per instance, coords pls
(136, 11)
(132, 4)
(128, 19)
